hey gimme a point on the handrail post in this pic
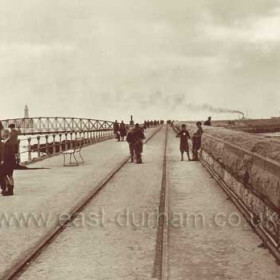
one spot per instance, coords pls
(91, 138)
(29, 149)
(47, 144)
(66, 142)
(60, 143)
(38, 146)
(71, 140)
(54, 146)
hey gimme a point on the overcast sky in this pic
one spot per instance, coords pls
(150, 58)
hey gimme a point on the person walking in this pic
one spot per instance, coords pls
(135, 139)
(117, 130)
(184, 141)
(130, 141)
(1, 128)
(196, 141)
(138, 137)
(14, 139)
(8, 164)
(2, 177)
(122, 131)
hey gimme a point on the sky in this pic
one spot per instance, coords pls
(153, 59)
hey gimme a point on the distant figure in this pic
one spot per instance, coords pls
(9, 164)
(135, 139)
(117, 130)
(184, 142)
(197, 141)
(129, 139)
(122, 131)
(1, 128)
(208, 122)
(2, 177)
(14, 139)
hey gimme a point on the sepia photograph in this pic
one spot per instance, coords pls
(139, 140)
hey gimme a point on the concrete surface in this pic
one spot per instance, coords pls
(208, 239)
(117, 248)
(43, 196)
(220, 245)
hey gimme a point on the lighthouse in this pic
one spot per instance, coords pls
(26, 112)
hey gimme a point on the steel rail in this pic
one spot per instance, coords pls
(160, 269)
(20, 265)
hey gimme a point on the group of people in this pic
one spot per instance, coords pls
(134, 137)
(9, 148)
(184, 141)
(148, 124)
(120, 130)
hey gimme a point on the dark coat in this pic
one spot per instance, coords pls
(197, 139)
(122, 130)
(137, 138)
(9, 158)
(1, 151)
(116, 128)
(184, 137)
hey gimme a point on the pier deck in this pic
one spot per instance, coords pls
(215, 242)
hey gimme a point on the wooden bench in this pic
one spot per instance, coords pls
(76, 151)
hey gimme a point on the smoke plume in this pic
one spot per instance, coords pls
(212, 109)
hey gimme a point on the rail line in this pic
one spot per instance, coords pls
(160, 262)
(20, 266)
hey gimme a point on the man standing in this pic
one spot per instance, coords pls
(135, 139)
(129, 139)
(197, 141)
(2, 179)
(14, 139)
(1, 128)
(117, 130)
(184, 142)
(9, 163)
(122, 131)
(138, 136)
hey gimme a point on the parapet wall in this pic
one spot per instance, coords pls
(250, 167)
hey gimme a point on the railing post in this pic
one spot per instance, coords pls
(29, 149)
(54, 146)
(75, 140)
(47, 144)
(38, 146)
(71, 140)
(90, 137)
(60, 143)
(66, 142)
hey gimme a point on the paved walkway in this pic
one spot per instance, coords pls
(121, 245)
(43, 196)
(208, 238)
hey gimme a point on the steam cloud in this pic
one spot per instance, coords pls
(212, 109)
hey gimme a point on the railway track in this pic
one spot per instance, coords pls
(16, 270)
(161, 256)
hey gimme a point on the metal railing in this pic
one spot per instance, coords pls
(52, 135)
(41, 146)
(47, 125)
